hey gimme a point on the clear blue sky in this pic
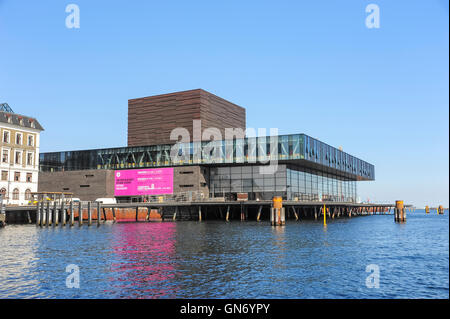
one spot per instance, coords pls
(302, 66)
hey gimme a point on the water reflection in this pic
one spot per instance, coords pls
(144, 260)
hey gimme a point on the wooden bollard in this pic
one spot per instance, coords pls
(47, 215)
(89, 214)
(99, 213)
(277, 212)
(38, 213)
(258, 216)
(441, 210)
(114, 214)
(400, 214)
(227, 216)
(427, 209)
(63, 214)
(174, 218)
(80, 213)
(72, 215)
(295, 213)
(55, 214)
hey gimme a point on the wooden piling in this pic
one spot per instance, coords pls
(80, 213)
(89, 214)
(47, 215)
(228, 213)
(399, 213)
(114, 214)
(137, 213)
(72, 215)
(38, 214)
(55, 214)
(199, 213)
(174, 218)
(63, 214)
(99, 213)
(258, 216)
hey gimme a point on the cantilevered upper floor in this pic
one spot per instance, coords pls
(296, 149)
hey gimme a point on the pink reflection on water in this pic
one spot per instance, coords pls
(143, 260)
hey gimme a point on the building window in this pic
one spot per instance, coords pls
(19, 138)
(187, 185)
(30, 140)
(3, 192)
(15, 194)
(4, 175)
(17, 176)
(5, 136)
(5, 156)
(28, 194)
(18, 157)
(30, 159)
(29, 177)
(85, 185)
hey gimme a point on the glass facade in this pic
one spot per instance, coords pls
(290, 182)
(298, 149)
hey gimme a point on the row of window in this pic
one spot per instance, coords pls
(18, 157)
(29, 176)
(19, 138)
(20, 119)
(16, 193)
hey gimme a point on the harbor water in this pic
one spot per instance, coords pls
(218, 259)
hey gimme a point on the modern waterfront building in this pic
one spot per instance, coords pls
(301, 167)
(19, 150)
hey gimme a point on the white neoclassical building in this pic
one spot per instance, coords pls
(19, 162)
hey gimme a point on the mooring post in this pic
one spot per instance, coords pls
(278, 212)
(99, 213)
(400, 214)
(315, 213)
(80, 213)
(324, 215)
(63, 214)
(220, 212)
(199, 213)
(427, 209)
(137, 213)
(104, 214)
(295, 213)
(228, 213)
(441, 210)
(174, 218)
(47, 214)
(72, 215)
(242, 212)
(38, 213)
(147, 217)
(89, 214)
(55, 214)
(114, 214)
(258, 216)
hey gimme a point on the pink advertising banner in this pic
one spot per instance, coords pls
(152, 181)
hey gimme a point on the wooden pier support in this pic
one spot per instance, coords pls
(427, 209)
(38, 214)
(199, 213)
(72, 215)
(47, 214)
(227, 217)
(80, 213)
(55, 214)
(63, 214)
(99, 213)
(277, 212)
(399, 212)
(441, 210)
(114, 214)
(258, 216)
(89, 214)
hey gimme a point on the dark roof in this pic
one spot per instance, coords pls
(15, 120)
